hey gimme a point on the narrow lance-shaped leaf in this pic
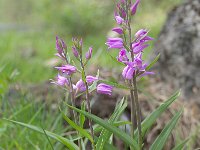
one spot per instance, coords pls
(162, 138)
(81, 130)
(116, 131)
(150, 120)
(153, 62)
(69, 144)
(181, 145)
(105, 134)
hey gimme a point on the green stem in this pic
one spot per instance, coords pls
(133, 111)
(74, 113)
(135, 107)
(88, 102)
(138, 113)
(73, 103)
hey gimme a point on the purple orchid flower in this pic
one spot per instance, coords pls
(80, 86)
(104, 89)
(119, 19)
(68, 69)
(128, 72)
(61, 81)
(138, 47)
(115, 43)
(122, 57)
(90, 79)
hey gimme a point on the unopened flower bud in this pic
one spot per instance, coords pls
(134, 7)
(75, 52)
(88, 54)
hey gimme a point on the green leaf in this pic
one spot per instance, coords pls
(181, 145)
(69, 144)
(105, 134)
(81, 130)
(150, 120)
(162, 138)
(153, 62)
(116, 131)
(115, 84)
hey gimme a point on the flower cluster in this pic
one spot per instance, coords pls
(67, 70)
(131, 55)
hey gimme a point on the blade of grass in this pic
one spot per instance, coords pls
(162, 138)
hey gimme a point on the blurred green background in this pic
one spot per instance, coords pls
(27, 47)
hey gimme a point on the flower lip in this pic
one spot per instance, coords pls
(118, 30)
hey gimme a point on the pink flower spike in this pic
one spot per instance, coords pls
(88, 54)
(134, 7)
(118, 30)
